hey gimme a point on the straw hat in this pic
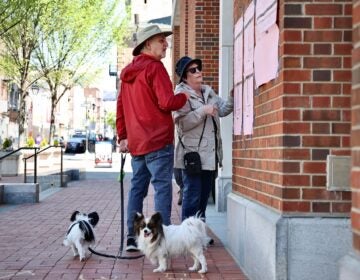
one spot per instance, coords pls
(145, 34)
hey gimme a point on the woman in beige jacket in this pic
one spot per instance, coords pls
(198, 129)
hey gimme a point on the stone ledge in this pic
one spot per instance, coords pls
(52, 180)
(1, 194)
(9, 166)
(75, 174)
(18, 193)
(268, 245)
(350, 267)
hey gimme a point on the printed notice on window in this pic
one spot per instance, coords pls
(266, 56)
(249, 40)
(265, 15)
(238, 51)
(248, 105)
(238, 75)
(238, 117)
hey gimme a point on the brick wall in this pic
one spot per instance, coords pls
(175, 51)
(184, 27)
(207, 15)
(192, 28)
(199, 35)
(303, 115)
(355, 135)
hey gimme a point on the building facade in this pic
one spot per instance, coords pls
(296, 208)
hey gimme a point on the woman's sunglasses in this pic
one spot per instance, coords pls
(192, 70)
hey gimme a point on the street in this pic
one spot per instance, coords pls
(86, 162)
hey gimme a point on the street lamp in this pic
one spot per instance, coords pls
(35, 89)
(93, 116)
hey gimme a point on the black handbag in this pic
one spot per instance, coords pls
(192, 163)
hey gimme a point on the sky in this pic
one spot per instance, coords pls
(106, 82)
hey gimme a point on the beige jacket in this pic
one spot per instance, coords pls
(189, 123)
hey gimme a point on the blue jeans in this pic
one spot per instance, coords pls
(196, 193)
(157, 168)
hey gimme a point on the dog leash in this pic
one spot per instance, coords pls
(119, 255)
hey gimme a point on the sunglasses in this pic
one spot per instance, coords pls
(193, 69)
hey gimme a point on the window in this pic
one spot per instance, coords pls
(13, 99)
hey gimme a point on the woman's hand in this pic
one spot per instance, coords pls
(210, 109)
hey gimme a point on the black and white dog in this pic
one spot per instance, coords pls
(80, 234)
(159, 242)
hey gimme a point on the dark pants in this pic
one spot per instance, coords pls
(178, 177)
(196, 193)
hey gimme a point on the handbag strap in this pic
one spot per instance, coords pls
(202, 132)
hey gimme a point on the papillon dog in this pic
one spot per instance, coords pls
(80, 234)
(159, 242)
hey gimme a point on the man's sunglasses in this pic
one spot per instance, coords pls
(192, 70)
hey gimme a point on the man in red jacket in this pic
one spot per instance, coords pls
(145, 126)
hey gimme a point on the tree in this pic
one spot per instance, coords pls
(19, 42)
(81, 33)
(12, 14)
(111, 120)
(56, 42)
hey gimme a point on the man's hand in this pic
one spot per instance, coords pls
(187, 95)
(123, 146)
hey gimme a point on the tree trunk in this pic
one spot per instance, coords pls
(21, 119)
(52, 124)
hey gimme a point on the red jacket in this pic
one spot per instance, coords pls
(144, 106)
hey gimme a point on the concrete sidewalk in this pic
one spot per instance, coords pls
(31, 238)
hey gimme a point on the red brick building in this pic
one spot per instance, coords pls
(293, 212)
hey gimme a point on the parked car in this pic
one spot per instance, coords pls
(79, 136)
(75, 146)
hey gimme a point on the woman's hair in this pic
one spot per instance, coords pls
(182, 79)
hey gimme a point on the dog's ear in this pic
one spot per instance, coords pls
(93, 218)
(138, 221)
(157, 219)
(73, 216)
(138, 216)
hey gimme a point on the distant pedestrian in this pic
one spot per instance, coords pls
(145, 126)
(38, 139)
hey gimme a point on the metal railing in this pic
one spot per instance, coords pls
(35, 163)
(24, 148)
